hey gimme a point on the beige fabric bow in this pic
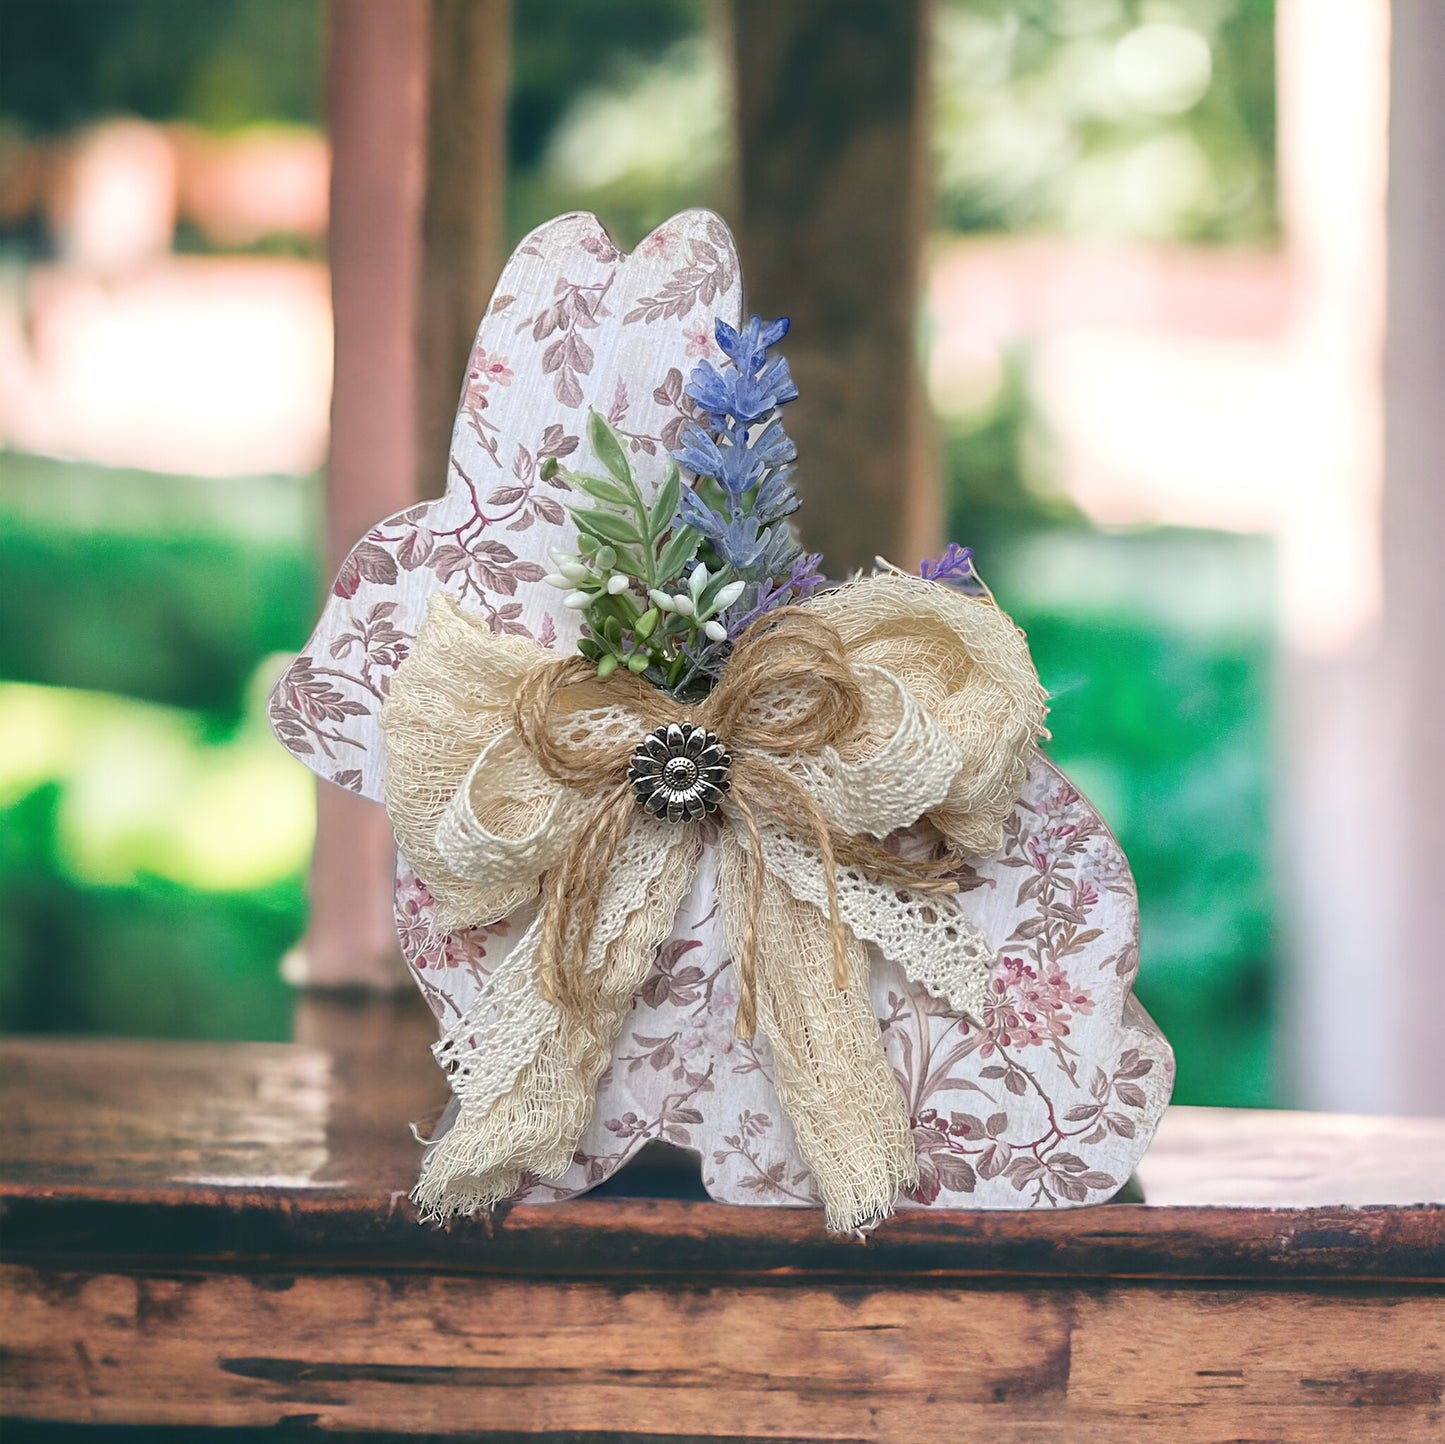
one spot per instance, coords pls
(505, 782)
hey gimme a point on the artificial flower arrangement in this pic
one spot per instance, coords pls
(776, 862)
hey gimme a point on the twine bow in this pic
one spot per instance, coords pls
(787, 651)
(849, 718)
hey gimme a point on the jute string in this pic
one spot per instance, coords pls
(788, 654)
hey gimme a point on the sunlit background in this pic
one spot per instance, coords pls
(1150, 349)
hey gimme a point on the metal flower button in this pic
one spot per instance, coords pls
(679, 772)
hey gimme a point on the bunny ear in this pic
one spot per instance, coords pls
(574, 326)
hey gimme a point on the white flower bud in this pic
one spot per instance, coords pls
(682, 605)
(616, 583)
(576, 600)
(697, 581)
(727, 596)
(568, 566)
(660, 600)
(716, 631)
(555, 579)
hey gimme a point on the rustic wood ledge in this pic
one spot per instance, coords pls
(218, 1237)
(254, 1155)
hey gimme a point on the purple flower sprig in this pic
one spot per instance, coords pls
(802, 581)
(955, 567)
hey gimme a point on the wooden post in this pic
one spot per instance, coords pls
(376, 92)
(377, 107)
(463, 218)
(416, 100)
(833, 204)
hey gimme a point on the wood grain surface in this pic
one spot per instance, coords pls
(441, 1354)
(218, 1235)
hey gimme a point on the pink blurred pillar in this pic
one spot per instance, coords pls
(1362, 128)
(416, 104)
(1413, 526)
(376, 101)
(1333, 81)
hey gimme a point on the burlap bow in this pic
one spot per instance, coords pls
(848, 718)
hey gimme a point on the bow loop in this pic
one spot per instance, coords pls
(561, 711)
(895, 767)
(508, 822)
(788, 688)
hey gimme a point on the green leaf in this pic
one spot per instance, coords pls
(608, 448)
(664, 506)
(610, 616)
(600, 489)
(627, 608)
(549, 468)
(606, 525)
(590, 649)
(645, 624)
(680, 549)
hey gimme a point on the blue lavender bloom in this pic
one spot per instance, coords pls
(780, 549)
(743, 398)
(743, 448)
(776, 497)
(755, 396)
(954, 566)
(737, 469)
(748, 348)
(699, 453)
(695, 512)
(744, 547)
(712, 390)
(774, 447)
(739, 541)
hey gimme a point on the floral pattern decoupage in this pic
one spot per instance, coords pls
(1048, 1100)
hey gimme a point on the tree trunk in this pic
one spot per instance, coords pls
(832, 124)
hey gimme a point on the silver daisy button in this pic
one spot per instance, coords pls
(679, 772)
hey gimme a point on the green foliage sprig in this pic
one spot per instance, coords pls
(649, 604)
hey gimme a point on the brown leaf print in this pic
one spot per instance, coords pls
(577, 307)
(414, 549)
(708, 273)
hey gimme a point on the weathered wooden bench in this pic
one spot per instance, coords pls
(218, 1236)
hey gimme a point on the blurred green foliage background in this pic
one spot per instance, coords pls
(145, 613)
